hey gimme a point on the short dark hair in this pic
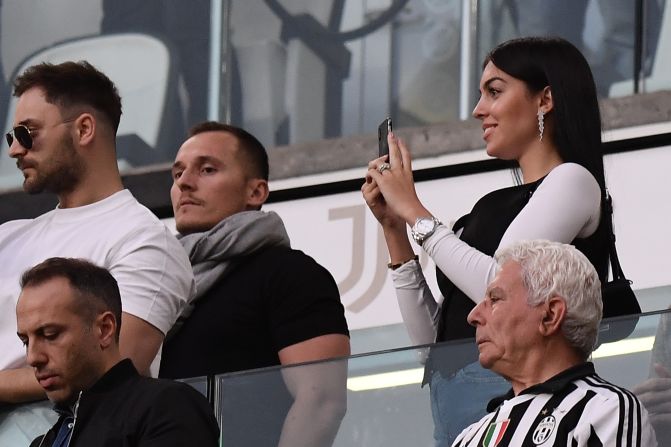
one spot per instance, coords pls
(95, 287)
(73, 84)
(252, 148)
(555, 62)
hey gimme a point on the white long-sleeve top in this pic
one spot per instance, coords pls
(565, 206)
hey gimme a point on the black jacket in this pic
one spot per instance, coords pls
(124, 409)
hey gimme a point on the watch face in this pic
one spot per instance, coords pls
(423, 228)
(425, 225)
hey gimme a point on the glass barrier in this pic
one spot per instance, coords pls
(605, 31)
(156, 52)
(386, 405)
(377, 399)
(305, 71)
(200, 384)
(21, 424)
(292, 71)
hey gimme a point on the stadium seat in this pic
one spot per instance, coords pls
(146, 74)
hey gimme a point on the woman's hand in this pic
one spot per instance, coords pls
(393, 224)
(392, 189)
(376, 202)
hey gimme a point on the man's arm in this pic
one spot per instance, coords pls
(319, 390)
(155, 281)
(139, 341)
(655, 394)
(20, 385)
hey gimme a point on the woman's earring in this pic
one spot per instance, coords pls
(541, 124)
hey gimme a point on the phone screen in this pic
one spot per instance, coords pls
(382, 131)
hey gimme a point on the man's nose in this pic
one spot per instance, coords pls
(475, 316)
(185, 181)
(34, 355)
(16, 150)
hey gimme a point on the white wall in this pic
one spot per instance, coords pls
(340, 233)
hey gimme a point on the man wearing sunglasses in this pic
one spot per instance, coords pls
(63, 141)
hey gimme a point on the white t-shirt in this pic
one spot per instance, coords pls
(149, 264)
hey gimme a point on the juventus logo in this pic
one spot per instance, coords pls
(544, 429)
(357, 215)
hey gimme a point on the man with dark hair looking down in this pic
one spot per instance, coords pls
(69, 320)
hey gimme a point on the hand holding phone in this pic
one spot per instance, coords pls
(382, 131)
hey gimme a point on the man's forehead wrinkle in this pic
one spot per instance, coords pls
(206, 158)
(199, 159)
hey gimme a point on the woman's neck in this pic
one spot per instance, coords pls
(537, 163)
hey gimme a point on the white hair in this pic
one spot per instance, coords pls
(553, 269)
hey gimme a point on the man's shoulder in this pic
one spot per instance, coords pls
(121, 211)
(128, 221)
(287, 263)
(167, 395)
(582, 378)
(603, 389)
(123, 404)
(13, 225)
(120, 206)
(283, 257)
(127, 205)
(165, 388)
(148, 391)
(278, 271)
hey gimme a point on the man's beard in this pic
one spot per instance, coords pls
(60, 174)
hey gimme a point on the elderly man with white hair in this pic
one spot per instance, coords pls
(537, 327)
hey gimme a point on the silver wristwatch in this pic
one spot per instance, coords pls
(423, 228)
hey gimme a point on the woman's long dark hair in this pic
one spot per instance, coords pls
(555, 62)
(551, 61)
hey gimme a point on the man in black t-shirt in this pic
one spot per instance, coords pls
(259, 303)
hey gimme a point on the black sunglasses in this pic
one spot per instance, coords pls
(22, 135)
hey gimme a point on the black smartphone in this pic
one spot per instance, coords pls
(382, 131)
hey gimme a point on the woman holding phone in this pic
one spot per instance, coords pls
(538, 106)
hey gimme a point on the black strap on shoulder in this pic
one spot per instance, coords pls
(461, 222)
(614, 259)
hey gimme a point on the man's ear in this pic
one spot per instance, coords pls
(85, 129)
(554, 313)
(257, 192)
(105, 327)
(545, 103)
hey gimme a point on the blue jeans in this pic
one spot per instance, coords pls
(460, 400)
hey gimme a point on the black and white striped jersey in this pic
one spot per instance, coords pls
(574, 408)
